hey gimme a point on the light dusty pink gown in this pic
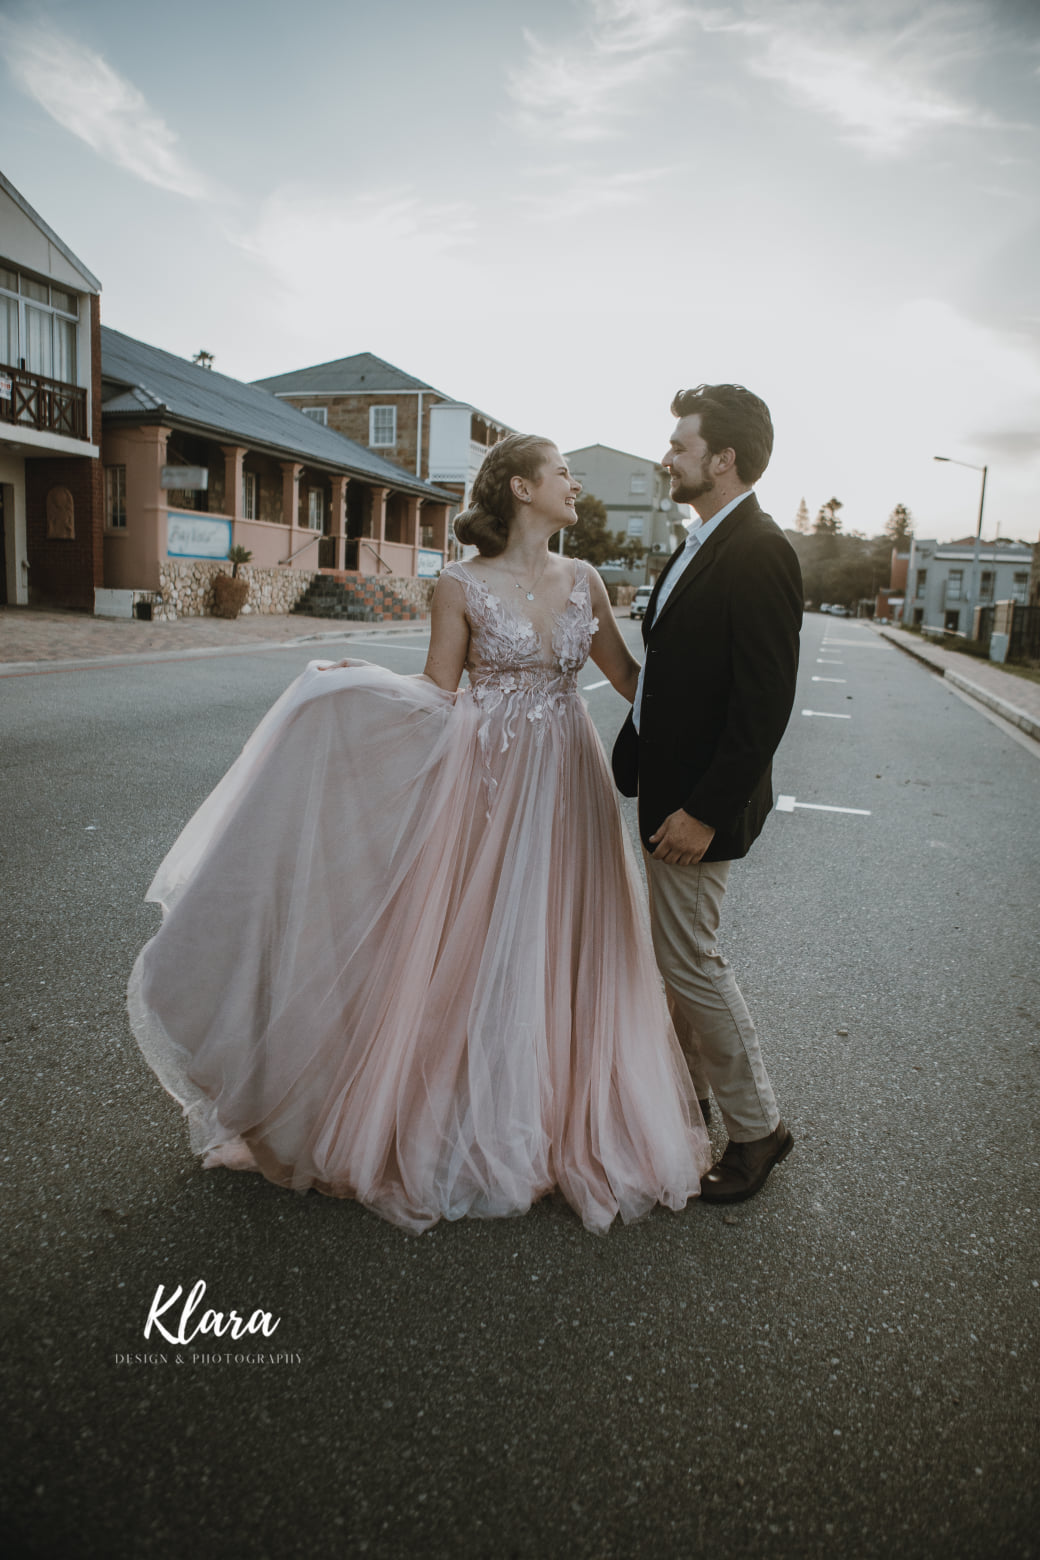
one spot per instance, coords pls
(403, 955)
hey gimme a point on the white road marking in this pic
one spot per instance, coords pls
(824, 661)
(589, 686)
(830, 679)
(826, 715)
(788, 804)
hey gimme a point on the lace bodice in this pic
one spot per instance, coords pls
(513, 674)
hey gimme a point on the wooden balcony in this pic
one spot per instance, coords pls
(47, 405)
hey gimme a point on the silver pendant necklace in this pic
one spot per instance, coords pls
(519, 585)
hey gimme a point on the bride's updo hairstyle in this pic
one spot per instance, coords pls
(485, 524)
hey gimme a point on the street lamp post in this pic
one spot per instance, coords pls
(978, 529)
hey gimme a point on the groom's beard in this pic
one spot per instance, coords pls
(687, 492)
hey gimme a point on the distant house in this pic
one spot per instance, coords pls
(396, 415)
(195, 462)
(947, 581)
(634, 491)
(888, 604)
(50, 414)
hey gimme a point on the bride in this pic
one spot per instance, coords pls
(403, 956)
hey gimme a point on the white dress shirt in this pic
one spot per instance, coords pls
(697, 533)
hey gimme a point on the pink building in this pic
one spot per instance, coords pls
(196, 462)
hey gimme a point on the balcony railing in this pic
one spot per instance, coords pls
(48, 405)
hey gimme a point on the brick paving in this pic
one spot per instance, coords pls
(30, 634)
(1015, 698)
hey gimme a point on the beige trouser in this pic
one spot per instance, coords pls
(710, 1015)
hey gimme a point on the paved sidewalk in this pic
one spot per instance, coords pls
(1015, 698)
(29, 634)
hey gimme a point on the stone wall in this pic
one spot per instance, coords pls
(186, 589)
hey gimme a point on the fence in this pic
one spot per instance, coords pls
(1024, 635)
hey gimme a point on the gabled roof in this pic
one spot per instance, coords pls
(90, 281)
(361, 374)
(609, 449)
(157, 386)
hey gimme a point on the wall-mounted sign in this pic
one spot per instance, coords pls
(429, 564)
(184, 478)
(192, 536)
(5, 387)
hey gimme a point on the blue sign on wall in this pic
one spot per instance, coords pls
(430, 563)
(196, 536)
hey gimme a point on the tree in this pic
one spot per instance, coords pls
(899, 527)
(591, 540)
(801, 519)
(827, 522)
(203, 359)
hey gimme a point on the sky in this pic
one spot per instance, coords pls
(562, 211)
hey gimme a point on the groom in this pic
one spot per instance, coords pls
(715, 694)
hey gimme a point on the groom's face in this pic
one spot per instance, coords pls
(688, 462)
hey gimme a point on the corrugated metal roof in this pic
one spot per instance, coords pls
(158, 384)
(363, 373)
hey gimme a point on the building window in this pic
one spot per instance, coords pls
(382, 426)
(315, 508)
(1020, 588)
(922, 575)
(638, 483)
(115, 498)
(37, 326)
(250, 495)
(318, 414)
(955, 585)
(986, 585)
(951, 622)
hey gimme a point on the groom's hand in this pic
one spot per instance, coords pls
(681, 840)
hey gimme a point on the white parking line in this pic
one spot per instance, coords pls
(589, 686)
(825, 661)
(826, 715)
(788, 804)
(830, 679)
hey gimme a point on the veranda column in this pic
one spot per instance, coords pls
(338, 521)
(379, 497)
(234, 455)
(412, 530)
(291, 470)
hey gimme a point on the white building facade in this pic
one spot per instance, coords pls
(947, 581)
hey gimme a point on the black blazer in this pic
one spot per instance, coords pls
(721, 664)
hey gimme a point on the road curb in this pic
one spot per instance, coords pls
(992, 701)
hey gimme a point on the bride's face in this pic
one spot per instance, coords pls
(554, 491)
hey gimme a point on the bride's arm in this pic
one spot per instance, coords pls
(449, 635)
(609, 651)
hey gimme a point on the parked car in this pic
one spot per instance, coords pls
(639, 601)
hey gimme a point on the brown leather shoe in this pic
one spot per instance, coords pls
(742, 1170)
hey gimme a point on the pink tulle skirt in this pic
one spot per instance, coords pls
(405, 962)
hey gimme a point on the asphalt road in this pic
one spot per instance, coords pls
(846, 1366)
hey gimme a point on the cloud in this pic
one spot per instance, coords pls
(580, 92)
(79, 89)
(880, 73)
(569, 192)
(391, 253)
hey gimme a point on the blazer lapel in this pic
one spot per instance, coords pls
(705, 555)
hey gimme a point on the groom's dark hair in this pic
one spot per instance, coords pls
(732, 418)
